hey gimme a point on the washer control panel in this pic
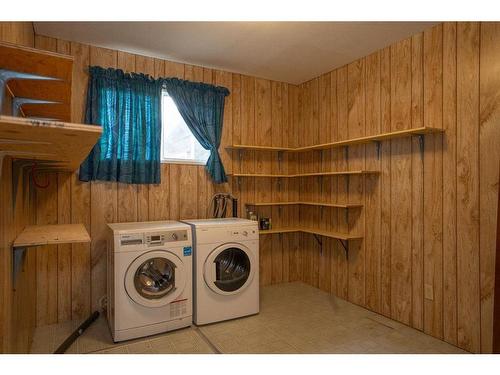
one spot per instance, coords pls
(160, 238)
(131, 239)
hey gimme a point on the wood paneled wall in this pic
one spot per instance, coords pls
(257, 110)
(17, 308)
(429, 218)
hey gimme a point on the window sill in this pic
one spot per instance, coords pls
(186, 162)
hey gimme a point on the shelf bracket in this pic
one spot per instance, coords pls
(17, 103)
(377, 145)
(347, 179)
(346, 215)
(7, 75)
(421, 144)
(345, 245)
(280, 160)
(346, 153)
(240, 155)
(18, 256)
(319, 241)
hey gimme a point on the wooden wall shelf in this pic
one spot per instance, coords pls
(38, 235)
(65, 144)
(319, 232)
(43, 63)
(337, 205)
(349, 142)
(338, 173)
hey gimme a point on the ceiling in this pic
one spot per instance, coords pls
(292, 52)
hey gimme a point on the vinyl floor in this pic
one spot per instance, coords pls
(294, 318)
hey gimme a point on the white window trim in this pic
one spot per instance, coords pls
(173, 160)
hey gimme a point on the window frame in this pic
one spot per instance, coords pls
(174, 160)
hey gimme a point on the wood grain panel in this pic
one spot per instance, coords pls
(401, 214)
(356, 155)
(372, 186)
(468, 186)
(450, 183)
(342, 111)
(417, 188)
(433, 183)
(385, 182)
(489, 160)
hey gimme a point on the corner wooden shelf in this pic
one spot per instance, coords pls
(337, 205)
(38, 235)
(343, 238)
(43, 63)
(260, 148)
(337, 173)
(319, 232)
(64, 145)
(349, 142)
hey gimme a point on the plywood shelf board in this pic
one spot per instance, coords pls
(349, 142)
(259, 148)
(324, 233)
(337, 173)
(339, 205)
(66, 143)
(44, 63)
(38, 235)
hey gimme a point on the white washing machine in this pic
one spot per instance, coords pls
(149, 278)
(226, 269)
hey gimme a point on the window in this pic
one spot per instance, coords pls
(178, 144)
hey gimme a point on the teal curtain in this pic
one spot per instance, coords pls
(202, 108)
(128, 107)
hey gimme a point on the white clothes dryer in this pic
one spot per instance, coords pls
(226, 269)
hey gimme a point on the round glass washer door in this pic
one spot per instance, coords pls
(229, 269)
(155, 278)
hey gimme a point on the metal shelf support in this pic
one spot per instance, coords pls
(17, 103)
(18, 256)
(421, 143)
(7, 75)
(377, 145)
(345, 245)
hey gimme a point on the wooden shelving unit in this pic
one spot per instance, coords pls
(296, 203)
(349, 142)
(29, 74)
(337, 173)
(64, 144)
(47, 64)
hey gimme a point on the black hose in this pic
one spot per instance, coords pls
(77, 333)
